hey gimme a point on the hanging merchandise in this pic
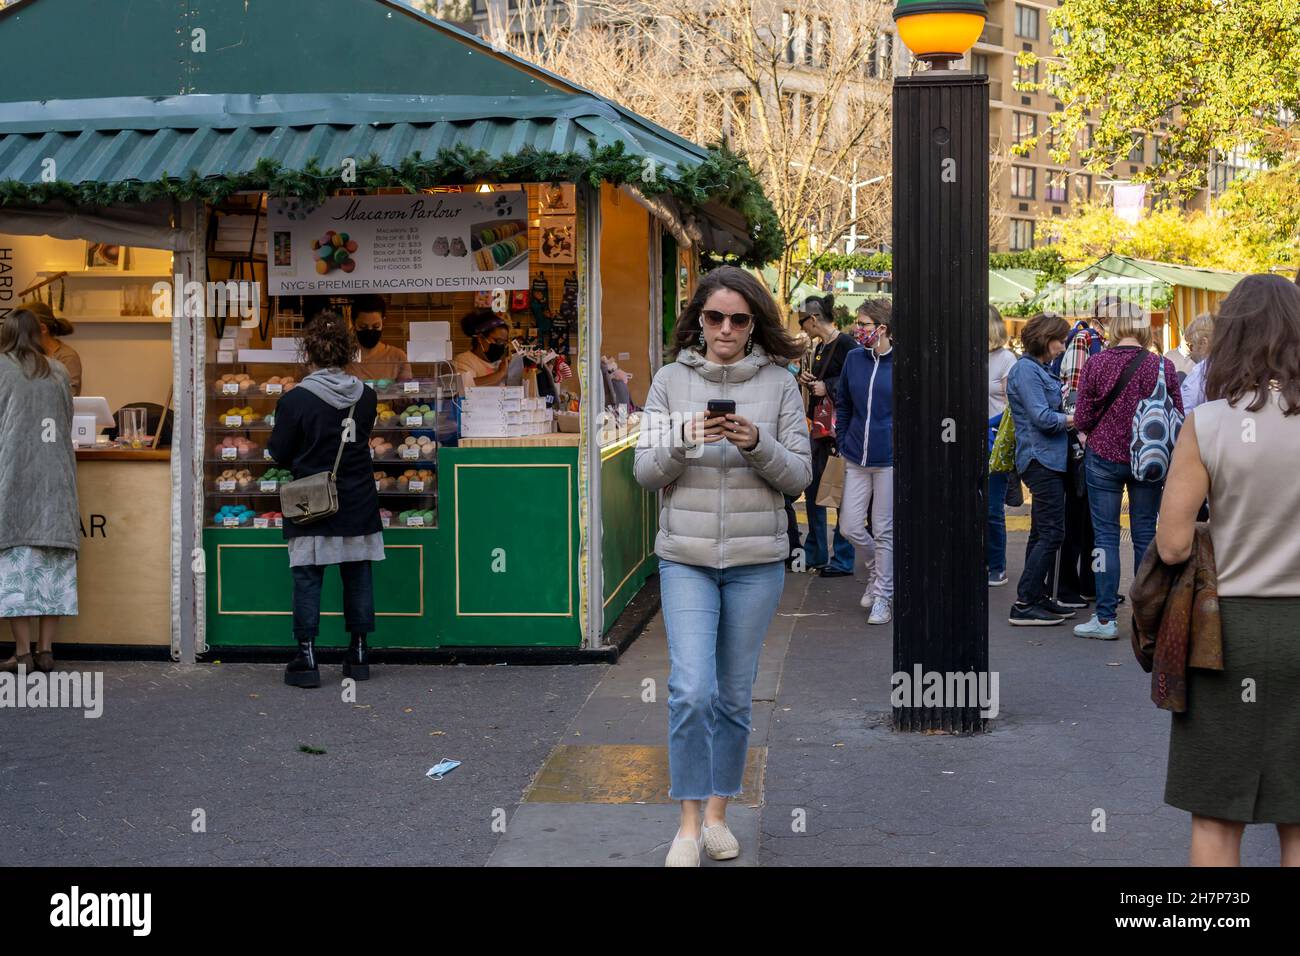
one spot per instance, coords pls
(569, 302)
(519, 300)
(483, 300)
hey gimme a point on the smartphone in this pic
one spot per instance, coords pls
(717, 407)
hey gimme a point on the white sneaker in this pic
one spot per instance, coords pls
(997, 580)
(685, 851)
(868, 598)
(881, 612)
(720, 843)
(1097, 630)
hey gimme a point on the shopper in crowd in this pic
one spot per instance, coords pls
(1037, 411)
(1112, 385)
(484, 363)
(1233, 755)
(864, 414)
(53, 329)
(821, 381)
(1001, 359)
(1070, 578)
(722, 533)
(375, 360)
(1198, 336)
(40, 531)
(324, 425)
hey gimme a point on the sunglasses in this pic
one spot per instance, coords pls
(739, 320)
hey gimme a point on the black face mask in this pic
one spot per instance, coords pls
(494, 351)
(368, 338)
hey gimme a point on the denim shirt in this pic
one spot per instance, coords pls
(1034, 397)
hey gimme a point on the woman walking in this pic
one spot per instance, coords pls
(1034, 397)
(1110, 388)
(864, 417)
(40, 530)
(1232, 756)
(722, 534)
(331, 410)
(1001, 359)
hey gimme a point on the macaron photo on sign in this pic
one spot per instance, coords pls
(444, 242)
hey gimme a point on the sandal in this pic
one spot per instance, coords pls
(44, 661)
(11, 666)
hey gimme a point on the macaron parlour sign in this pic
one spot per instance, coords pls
(444, 242)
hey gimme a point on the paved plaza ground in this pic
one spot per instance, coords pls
(567, 764)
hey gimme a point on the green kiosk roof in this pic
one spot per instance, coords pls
(201, 98)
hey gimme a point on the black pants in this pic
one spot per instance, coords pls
(792, 525)
(1071, 573)
(358, 599)
(1046, 529)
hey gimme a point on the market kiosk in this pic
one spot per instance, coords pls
(537, 536)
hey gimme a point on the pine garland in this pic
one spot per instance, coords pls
(723, 177)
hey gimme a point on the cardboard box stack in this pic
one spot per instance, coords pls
(503, 412)
(429, 342)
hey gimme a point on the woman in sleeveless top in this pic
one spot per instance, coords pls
(1234, 754)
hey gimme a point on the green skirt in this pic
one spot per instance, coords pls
(1235, 753)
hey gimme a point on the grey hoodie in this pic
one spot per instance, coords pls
(723, 507)
(335, 387)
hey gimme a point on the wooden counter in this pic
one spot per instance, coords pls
(124, 567)
(124, 454)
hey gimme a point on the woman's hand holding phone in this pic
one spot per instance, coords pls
(741, 432)
(703, 430)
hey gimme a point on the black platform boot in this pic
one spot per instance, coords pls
(356, 663)
(302, 670)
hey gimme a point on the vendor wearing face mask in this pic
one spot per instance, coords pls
(377, 360)
(484, 363)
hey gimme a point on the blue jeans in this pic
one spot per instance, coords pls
(1106, 483)
(814, 544)
(358, 599)
(996, 553)
(716, 621)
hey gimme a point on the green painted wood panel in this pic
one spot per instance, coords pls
(628, 521)
(513, 574)
(146, 48)
(250, 591)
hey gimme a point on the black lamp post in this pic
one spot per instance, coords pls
(941, 145)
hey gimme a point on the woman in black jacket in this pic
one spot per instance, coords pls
(310, 422)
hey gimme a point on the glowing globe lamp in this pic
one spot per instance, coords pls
(940, 30)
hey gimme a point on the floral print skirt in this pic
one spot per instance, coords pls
(35, 582)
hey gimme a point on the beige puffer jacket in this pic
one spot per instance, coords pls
(723, 507)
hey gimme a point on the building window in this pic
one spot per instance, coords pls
(1022, 182)
(1026, 22)
(1022, 234)
(882, 57)
(1025, 126)
(1082, 187)
(1024, 74)
(979, 63)
(1055, 186)
(738, 110)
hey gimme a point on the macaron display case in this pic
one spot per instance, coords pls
(242, 482)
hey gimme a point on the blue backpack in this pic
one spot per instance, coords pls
(1156, 423)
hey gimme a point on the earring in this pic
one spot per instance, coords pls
(701, 338)
(749, 345)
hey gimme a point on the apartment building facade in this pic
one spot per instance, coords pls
(1032, 189)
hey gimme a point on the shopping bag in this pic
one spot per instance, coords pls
(1002, 457)
(823, 420)
(831, 490)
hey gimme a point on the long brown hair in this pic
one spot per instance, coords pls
(20, 339)
(1257, 340)
(769, 331)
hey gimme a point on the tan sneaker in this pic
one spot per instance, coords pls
(720, 843)
(685, 851)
